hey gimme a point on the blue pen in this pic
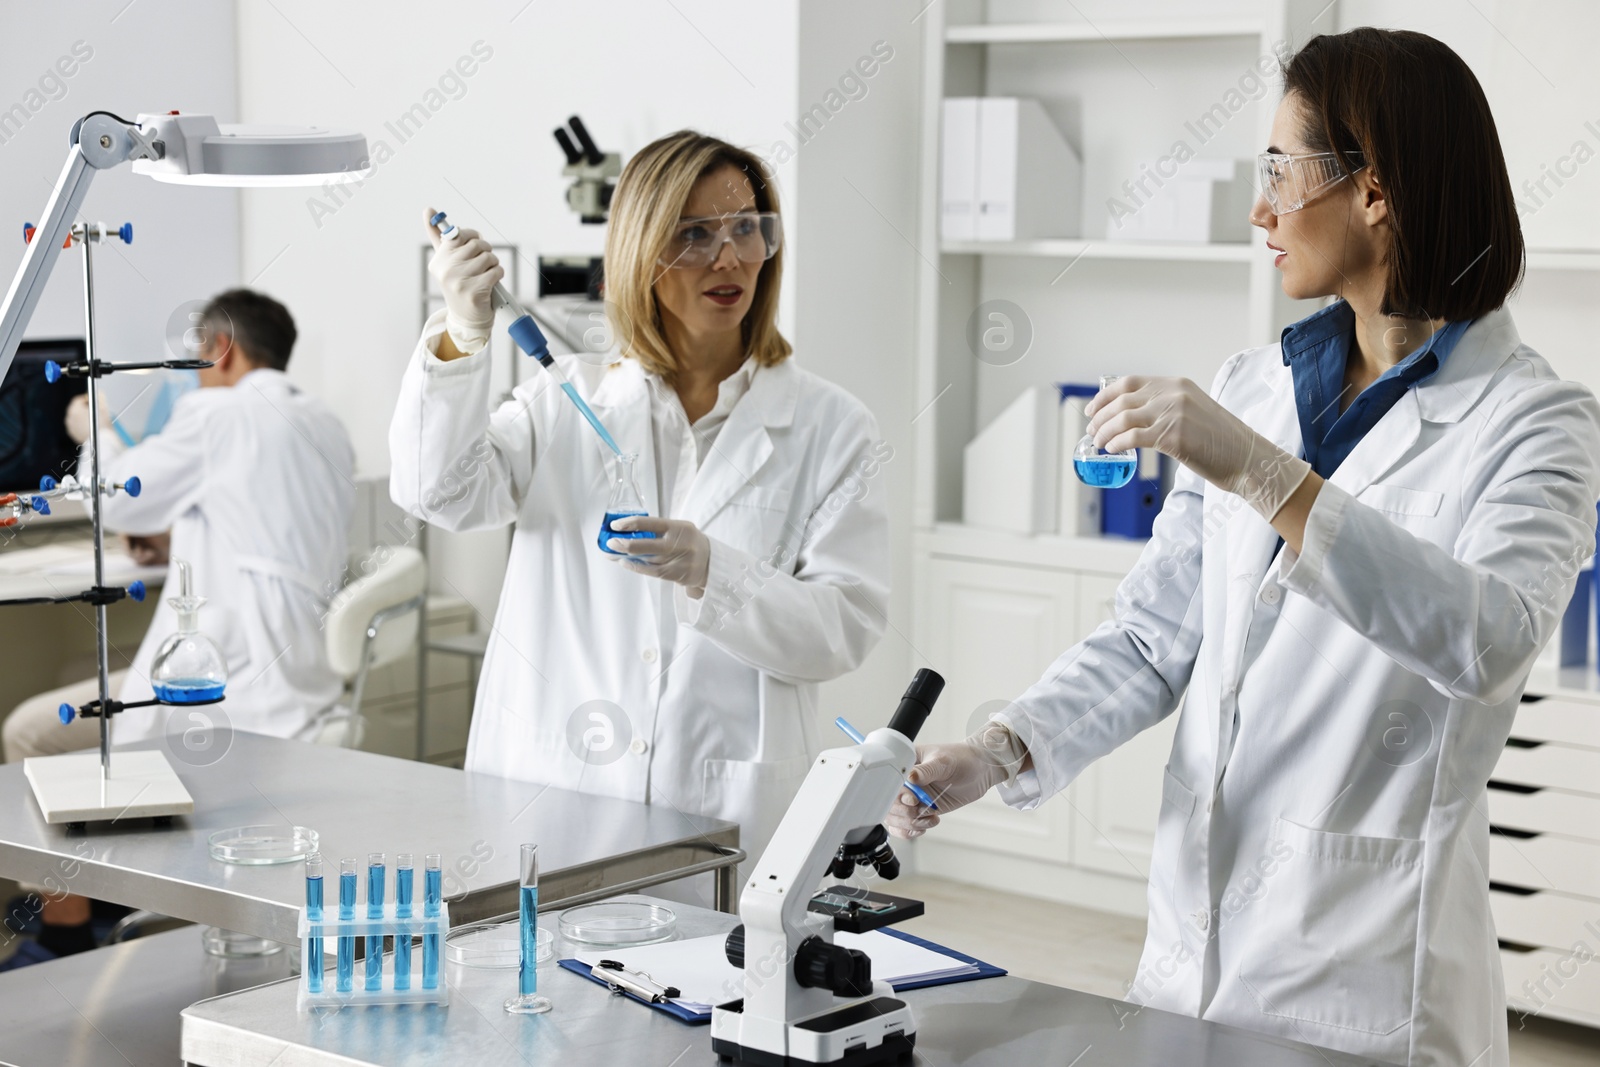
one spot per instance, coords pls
(855, 735)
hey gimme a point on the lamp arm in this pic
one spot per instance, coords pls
(100, 141)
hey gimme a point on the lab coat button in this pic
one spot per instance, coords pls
(1271, 594)
(648, 655)
(1202, 919)
(638, 746)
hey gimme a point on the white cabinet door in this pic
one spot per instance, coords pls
(1116, 801)
(991, 630)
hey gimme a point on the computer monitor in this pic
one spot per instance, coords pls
(33, 431)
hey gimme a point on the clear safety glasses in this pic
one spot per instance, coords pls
(1289, 183)
(755, 236)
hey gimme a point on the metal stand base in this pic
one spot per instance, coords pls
(71, 788)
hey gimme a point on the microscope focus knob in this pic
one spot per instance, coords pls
(734, 948)
(845, 972)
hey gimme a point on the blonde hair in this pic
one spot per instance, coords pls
(649, 198)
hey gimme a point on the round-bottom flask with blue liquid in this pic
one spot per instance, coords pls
(1099, 468)
(188, 668)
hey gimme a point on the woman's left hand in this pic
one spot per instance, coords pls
(678, 552)
(1177, 417)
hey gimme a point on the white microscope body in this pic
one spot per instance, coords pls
(806, 1000)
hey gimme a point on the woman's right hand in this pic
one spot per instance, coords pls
(468, 272)
(955, 775)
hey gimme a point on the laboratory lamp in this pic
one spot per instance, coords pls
(182, 149)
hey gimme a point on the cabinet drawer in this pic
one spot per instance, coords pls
(1551, 719)
(1558, 766)
(1546, 862)
(1547, 920)
(1553, 984)
(1546, 811)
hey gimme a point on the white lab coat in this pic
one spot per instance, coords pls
(255, 481)
(719, 694)
(1321, 856)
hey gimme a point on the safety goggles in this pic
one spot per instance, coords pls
(1289, 183)
(755, 237)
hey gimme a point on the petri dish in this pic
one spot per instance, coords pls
(231, 944)
(497, 946)
(618, 924)
(255, 846)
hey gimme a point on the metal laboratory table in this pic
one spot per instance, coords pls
(358, 802)
(119, 1006)
(998, 1021)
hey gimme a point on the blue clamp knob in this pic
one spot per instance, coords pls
(67, 713)
(136, 591)
(46, 484)
(27, 232)
(125, 231)
(41, 505)
(52, 371)
(132, 486)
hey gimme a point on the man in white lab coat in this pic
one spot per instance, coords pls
(254, 480)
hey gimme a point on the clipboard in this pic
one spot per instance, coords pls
(694, 1018)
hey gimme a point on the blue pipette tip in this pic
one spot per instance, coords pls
(132, 486)
(46, 484)
(67, 713)
(855, 735)
(125, 231)
(52, 371)
(136, 591)
(41, 505)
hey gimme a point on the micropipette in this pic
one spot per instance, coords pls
(855, 735)
(526, 333)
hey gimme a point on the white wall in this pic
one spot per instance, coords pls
(157, 55)
(856, 272)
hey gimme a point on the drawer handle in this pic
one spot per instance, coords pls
(1517, 946)
(1518, 742)
(1515, 787)
(1520, 835)
(1514, 890)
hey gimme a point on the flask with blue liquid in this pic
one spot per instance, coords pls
(1097, 467)
(625, 501)
(188, 667)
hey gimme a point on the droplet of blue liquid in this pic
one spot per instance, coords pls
(607, 533)
(1106, 472)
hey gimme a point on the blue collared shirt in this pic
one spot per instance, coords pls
(1315, 350)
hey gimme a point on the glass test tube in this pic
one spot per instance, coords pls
(313, 961)
(345, 980)
(432, 896)
(527, 1001)
(376, 875)
(402, 910)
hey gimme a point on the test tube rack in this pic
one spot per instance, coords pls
(400, 931)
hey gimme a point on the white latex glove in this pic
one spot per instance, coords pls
(678, 552)
(468, 272)
(955, 776)
(1178, 417)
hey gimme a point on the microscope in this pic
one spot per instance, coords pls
(808, 1001)
(594, 173)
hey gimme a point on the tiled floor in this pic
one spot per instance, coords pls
(1097, 953)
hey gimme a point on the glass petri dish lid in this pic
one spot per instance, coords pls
(255, 846)
(493, 945)
(619, 924)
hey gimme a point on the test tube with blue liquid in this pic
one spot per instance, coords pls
(527, 1001)
(377, 873)
(346, 973)
(1097, 467)
(402, 910)
(432, 897)
(313, 961)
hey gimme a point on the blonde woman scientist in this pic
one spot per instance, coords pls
(684, 671)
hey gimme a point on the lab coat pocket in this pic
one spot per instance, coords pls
(1399, 500)
(754, 794)
(755, 521)
(1334, 939)
(1172, 826)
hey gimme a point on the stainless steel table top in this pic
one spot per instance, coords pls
(118, 1006)
(998, 1021)
(359, 803)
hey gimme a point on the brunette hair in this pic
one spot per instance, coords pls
(1406, 105)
